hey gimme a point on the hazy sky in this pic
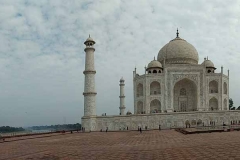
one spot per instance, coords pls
(42, 51)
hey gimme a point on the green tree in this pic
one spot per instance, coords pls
(5, 129)
(238, 108)
(231, 104)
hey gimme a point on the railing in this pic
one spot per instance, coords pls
(23, 134)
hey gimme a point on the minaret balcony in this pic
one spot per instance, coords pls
(90, 72)
(122, 107)
(89, 93)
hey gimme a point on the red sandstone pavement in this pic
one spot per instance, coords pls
(167, 144)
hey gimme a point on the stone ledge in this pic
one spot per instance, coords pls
(88, 117)
(169, 113)
(91, 72)
(89, 93)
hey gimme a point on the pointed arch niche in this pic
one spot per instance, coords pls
(155, 88)
(185, 96)
(140, 107)
(213, 104)
(225, 107)
(225, 88)
(155, 106)
(139, 90)
(213, 87)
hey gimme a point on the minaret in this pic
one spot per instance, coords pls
(122, 102)
(89, 84)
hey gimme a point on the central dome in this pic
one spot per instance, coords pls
(178, 51)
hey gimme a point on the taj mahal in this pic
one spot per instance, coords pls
(176, 89)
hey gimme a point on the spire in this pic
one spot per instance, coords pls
(89, 36)
(154, 58)
(177, 34)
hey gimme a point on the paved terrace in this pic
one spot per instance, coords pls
(165, 144)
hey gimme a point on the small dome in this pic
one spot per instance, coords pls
(128, 113)
(208, 63)
(154, 64)
(178, 51)
(89, 39)
(122, 80)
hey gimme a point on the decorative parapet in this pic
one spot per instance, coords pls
(139, 76)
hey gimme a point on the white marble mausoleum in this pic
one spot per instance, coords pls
(176, 88)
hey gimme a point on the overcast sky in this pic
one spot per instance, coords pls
(42, 51)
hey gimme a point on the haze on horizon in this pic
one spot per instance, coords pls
(42, 51)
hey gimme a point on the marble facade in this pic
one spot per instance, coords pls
(166, 120)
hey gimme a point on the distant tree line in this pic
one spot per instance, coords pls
(231, 107)
(58, 127)
(7, 129)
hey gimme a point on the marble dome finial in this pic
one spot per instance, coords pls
(177, 34)
(89, 39)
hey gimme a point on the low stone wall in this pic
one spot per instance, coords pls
(166, 120)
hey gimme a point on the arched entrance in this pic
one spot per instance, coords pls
(193, 122)
(140, 107)
(213, 104)
(225, 88)
(185, 96)
(155, 106)
(187, 123)
(155, 88)
(139, 90)
(199, 122)
(225, 104)
(213, 87)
